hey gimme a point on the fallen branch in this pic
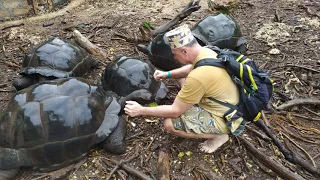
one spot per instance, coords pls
(87, 45)
(298, 137)
(264, 118)
(311, 111)
(190, 8)
(10, 64)
(131, 170)
(12, 25)
(304, 117)
(163, 165)
(269, 162)
(298, 102)
(148, 33)
(4, 85)
(305, 152)
(262, 136)
(294, 65)
(63, 11)
(287, 154)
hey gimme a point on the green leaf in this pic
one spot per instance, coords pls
(181, 154)
(188, 153)
(154, 104)
(146, 24)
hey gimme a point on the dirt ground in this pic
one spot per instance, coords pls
(283, 37)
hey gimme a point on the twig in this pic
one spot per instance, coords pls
(147, 149)
(315, 157)
(264, 118)
(116, 22)
(314, 164)
(307, 118)
(131, 170)
(13, 25)
(114, 170)
(4, 85)
(3, 90)
(298, 102)
(294, 135)
(10, 64)
(295, 65)
(262, 136)
(309, 110)
(135, 135)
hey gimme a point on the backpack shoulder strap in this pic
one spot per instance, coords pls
(209, 62)
(217, 63)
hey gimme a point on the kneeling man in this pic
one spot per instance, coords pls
(192, 114)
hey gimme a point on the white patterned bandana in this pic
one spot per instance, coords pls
(179, 37)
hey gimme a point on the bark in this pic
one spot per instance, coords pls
(163, 165)
(87, 45)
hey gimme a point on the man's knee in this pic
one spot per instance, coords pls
(168, 125)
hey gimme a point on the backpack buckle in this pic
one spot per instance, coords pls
(224, 58)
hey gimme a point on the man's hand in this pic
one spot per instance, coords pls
(160, 75)
(133, 109)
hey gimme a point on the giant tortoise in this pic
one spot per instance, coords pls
(215, 30)
(127, 74)
(52, 59)
(54, 123)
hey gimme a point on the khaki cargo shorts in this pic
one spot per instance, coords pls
(196, 120)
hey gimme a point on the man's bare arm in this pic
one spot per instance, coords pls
(166, 111)
(181, 72)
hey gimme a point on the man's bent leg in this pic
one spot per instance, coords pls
(209, 146)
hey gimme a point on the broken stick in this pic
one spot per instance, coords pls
(192, 6)
(87, 45)
(131, 170)
(163, 165)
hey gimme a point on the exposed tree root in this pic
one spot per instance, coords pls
(269, 162)
(291, 157)
(298, 102)
(61, 12)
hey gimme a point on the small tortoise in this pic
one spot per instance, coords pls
(126, 74)
(218, 30)
(52, 59)
(54, 123)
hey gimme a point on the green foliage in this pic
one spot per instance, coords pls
(224, 11)
(148, 25)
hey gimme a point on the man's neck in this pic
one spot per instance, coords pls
(195, 51)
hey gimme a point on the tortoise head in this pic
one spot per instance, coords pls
(162, 92)
(142, 96)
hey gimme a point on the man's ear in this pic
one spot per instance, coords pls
(184, 51)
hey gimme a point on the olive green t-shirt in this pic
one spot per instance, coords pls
(210, 81)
